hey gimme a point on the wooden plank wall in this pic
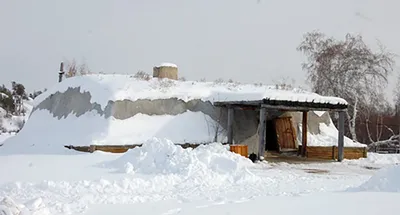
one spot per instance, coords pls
(331, 152)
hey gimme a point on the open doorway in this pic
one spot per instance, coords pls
(280, 135)
(271, 140)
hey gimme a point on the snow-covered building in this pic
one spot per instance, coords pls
(123, 111)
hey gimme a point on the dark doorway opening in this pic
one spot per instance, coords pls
(271, 140)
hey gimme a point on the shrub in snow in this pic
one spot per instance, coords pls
(142, 76)
(166, 83)
(162, 156)
(385, 180)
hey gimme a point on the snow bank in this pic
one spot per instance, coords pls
(161, 156)
(104, 88)
(385, 180)
(34, 207)
(91, 128)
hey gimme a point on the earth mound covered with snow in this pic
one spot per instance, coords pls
(385, 180)
(162, 156)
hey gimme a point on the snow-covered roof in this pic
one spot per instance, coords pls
(104, 88)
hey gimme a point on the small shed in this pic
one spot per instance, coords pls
(276, 127)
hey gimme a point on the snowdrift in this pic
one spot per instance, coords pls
(385, 180)
(206, 162)
(45, 134)
(327, 136)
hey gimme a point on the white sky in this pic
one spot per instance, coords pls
(245, 40)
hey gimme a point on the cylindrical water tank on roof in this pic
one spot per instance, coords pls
(166, 70)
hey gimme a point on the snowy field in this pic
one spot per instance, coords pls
(161, 178)
(41, 177)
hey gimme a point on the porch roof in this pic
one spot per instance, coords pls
(283, 105)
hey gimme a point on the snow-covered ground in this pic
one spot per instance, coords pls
(38, 176)
(161, 178)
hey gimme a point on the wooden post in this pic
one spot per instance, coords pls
(341, 137)
(92, 148)
(230, 125)
(261, 132)
(61, 72)
(304, 134)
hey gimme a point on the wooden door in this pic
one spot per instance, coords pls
(286, 133)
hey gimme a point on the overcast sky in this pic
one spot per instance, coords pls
(246, 40)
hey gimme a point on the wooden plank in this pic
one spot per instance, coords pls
(121, 148)
(230, 125)
(331, 152)
(261, 132)
(341, 137)
(285, 133)
(304, 133)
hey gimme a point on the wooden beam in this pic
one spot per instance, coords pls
(230, 125)
(341, 137)
(298, 108)
(261, 132)
(304, 134)
(61, 72)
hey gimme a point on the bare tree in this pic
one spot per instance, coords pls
(72, 69)
(142, 75)
(346, 68)
(374, 115)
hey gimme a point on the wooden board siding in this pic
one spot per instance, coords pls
(286, 133)
(331, 152)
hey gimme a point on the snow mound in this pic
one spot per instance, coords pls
(385, 180)
(161, 156)
(328, 136)
(34, 207)
(91, 128)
